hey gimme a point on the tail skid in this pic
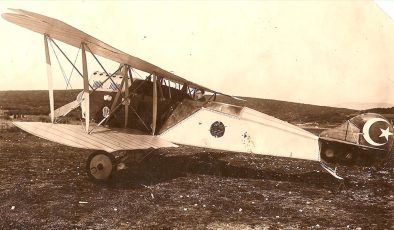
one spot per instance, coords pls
(333, 172)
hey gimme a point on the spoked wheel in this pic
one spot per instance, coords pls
(100, 166)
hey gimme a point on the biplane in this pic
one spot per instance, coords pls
(123, 113)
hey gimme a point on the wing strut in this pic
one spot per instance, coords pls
(160, 85)
(50, 79)
(85, 88)
(126, 94)
(113, 106)
(154, 109)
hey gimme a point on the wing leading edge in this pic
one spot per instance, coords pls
(74, 37)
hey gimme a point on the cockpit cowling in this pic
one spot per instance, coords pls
(366, 139)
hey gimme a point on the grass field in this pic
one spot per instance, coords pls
(44, 184)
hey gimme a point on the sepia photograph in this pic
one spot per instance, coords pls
(197, 114)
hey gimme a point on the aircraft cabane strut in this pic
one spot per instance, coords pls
(88, 89)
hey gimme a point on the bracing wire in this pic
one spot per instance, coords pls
(79, 72)
(136, 73)
(60, 65)
(72, 69)
(110, 75)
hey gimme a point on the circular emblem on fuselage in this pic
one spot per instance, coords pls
(217, 129)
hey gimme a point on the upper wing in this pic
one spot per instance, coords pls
(72, 36)
(109, 140)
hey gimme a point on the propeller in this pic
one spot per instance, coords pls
(67, 108)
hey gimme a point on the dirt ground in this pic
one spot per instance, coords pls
(44, 186)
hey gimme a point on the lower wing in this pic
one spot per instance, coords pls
(109, 140)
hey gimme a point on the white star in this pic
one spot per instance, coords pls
(386, 133)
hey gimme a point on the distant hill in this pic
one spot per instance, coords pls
(380, 110)
(36, 102)
(363, 106)
(295, 112)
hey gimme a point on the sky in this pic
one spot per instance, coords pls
(315, 52)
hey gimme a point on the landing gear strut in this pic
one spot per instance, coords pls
(100, 166)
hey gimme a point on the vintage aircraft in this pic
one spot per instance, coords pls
(123, 113)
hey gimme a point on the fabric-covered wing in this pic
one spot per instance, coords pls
(101, 138)
(72, 36)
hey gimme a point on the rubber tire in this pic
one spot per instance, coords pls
(94, 154)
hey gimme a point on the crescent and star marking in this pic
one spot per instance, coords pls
(385, 132)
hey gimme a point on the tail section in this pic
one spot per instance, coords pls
(366, 139)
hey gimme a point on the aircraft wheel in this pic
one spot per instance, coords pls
(100, 166)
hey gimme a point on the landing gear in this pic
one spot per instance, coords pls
(100, 166)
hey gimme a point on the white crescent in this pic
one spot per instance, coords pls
(366, 128)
